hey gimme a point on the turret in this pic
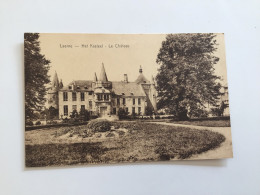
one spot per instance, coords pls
(95, 80)
(103, 75)
(53, 99)
(55, 82)
(103, 81)
(141, 78)
(61, 84)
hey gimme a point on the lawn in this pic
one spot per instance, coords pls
(205, 123)
(125, 142)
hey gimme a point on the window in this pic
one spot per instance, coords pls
(106, 97)
(126, 109)
(74, 96)
(90, 93)
(69, 87)
(139, 110)
(123, 101)
(78, 87)
(114, 110)
(99, 96)
(65, 110)
(133, 101)
(82, 107)
(133, 110)
(118, 101)
(74, 107)
(82, 96)
(90, 104)
(65, 96)
(139, 101)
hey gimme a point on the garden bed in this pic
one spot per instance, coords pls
(139, 142)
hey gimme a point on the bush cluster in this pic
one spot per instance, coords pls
(38, 123)
(128, 125)
(99, 125)
(52, 122)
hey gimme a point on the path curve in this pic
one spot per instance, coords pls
(225, 149)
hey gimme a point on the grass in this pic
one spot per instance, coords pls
(206, 123)
(127, 142)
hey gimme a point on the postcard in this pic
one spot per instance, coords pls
(125, 98)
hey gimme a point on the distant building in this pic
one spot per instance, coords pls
(223, 99)
(103, 97)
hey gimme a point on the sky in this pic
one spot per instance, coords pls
(78, 57)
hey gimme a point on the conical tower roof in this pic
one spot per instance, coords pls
(103, 75)
(55, 82)
(141, 78)
(95, 77)
(61, 84)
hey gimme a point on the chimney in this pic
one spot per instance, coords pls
(125, 78)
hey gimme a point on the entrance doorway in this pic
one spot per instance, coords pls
(103, 111)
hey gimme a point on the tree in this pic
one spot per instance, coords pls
(84, 114)
(52, 113)
(122, 113)
(219, 110)
(186, 81)
(148, 111)
(36, 69)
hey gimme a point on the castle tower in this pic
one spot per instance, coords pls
(52, 97)
(103, 81)
(95, 80)
(149, 89)
(141, 78)
(103, 75)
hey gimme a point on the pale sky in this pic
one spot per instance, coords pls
(80, 63)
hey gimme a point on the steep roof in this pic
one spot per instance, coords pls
(103, 75)
(55, 81)
(128, 89)
(82, 84)
(141, 79)
(118, 87)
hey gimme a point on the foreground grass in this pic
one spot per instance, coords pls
(206, 123)
(142, 142)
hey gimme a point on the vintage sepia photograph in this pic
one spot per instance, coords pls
(125, 98)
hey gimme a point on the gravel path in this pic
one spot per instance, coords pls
(225, 149)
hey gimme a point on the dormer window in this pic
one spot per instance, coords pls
(70, 87)
(78, 87)
(123, 93)
(85, 87)
(132, 93)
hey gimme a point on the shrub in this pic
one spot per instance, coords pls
(38, 123)
(52, 122)
(84, 114)
(122, 113)
(65, 120)
(99, 125)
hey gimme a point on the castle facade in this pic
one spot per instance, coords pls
(103, 97)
